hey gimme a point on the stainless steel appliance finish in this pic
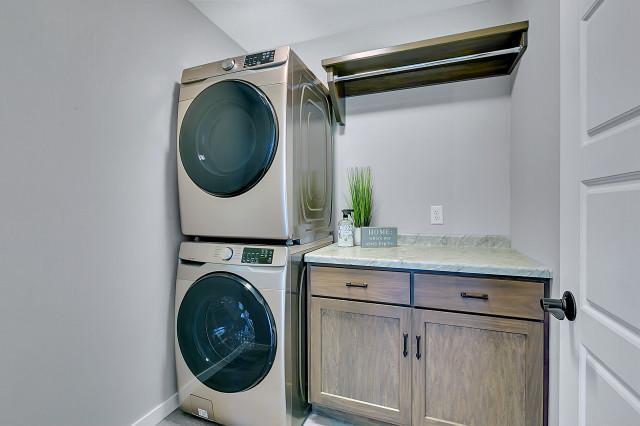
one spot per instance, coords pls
(255, 149)
(214, 380)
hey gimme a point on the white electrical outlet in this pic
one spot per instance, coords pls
(437, 217)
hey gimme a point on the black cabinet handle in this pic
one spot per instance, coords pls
(360, 285)
(471, 295)
(405, 338)
(561, 308)
(418, 355)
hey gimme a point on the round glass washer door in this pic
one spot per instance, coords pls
(228, 138)
(226, 333)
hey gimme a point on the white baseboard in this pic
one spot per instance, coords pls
(162, 410)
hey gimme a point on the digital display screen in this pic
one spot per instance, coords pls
(262, 256)
(259, 58)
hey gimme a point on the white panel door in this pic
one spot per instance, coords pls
(600, 211)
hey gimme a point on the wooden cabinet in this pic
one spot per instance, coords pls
(464, 350)
(474, 370)
(358, 360)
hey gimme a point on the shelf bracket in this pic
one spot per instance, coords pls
(523, 47)
(336, 91)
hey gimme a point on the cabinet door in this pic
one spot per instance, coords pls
(476, 371)
(358, 360)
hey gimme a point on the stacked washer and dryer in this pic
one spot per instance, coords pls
(255, 158)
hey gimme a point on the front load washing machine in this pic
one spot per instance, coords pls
(255, 151)
(241, 332)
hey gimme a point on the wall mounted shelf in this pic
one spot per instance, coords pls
(488, 52)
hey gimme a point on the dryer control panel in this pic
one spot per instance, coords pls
(251, 62)
(259, 58)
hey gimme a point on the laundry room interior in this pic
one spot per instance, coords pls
(288, 213)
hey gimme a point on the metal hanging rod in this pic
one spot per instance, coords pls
(424, 65)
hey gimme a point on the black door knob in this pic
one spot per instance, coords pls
(561, 308)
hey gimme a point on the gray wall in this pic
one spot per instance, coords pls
(89, 230)
(444, 145)
(535, 153)
(535, 135)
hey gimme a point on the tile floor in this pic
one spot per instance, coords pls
(179, 418)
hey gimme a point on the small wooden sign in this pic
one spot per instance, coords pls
(379, 237)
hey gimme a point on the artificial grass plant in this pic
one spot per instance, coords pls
(361, 191)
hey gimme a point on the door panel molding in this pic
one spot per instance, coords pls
(605, 334)
(606, 399)
(609, 77)
(615, 121)
(611, 154)
(608, 243)
(589, 7)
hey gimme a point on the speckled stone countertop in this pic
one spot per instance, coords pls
(491, 255)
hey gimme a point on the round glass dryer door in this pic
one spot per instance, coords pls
(226, 333)
(228, 138)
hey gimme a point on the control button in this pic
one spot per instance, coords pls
(228, 64)
(227, 253)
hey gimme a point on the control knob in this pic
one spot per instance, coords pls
(228, 64)
(227, 253)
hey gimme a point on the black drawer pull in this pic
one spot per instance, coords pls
(359, 285)
(405, 352)
(470, 295)
(418, 355)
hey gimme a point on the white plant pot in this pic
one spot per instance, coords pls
(357, 233)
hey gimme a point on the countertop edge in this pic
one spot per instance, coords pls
(524, 272)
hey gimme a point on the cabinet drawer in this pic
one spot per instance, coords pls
(361, 284)
(519, 299)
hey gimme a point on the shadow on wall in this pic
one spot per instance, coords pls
(463, 91)
(171, 184)
(173, 212)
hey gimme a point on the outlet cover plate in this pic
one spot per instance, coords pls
(437, 216)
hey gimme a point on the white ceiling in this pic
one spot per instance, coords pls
(263, 24)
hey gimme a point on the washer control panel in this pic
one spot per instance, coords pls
(234, 254)
(259, 58)
(259, 255)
